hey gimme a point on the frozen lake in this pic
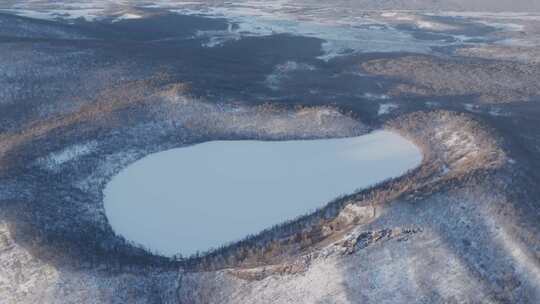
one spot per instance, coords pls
(199, 197)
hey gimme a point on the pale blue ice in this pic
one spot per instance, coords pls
(199, 197)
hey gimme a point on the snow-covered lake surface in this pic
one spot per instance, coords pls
(199, 197)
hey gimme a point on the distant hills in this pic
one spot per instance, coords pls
(452, 5)
(431, 5)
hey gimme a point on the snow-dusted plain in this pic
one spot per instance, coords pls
(342, 34)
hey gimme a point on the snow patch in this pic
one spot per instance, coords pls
(418, 21)
(386, 108)
(86, 14)
(495, 111)
(127, 16)
(372, 96)
(491, 15)
(56, 159)
(282, 72)
(459, 147)
(472, 107)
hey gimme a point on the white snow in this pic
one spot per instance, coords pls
(127, 16)
(491, 15)
(281, 72)
(372, 96)
(89, 14)
(386, 108)
(472, 107)
(428, 25)
(56, 159)
(341, 36)
(342, 32)
(496, 111)
(417, 20)
(200, 197)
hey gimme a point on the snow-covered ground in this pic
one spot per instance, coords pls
(341, 33)
(386, 108)
(89, 10)
(341, 36)
(196, 198)
(127, 16)
(282, 72)
(56, 159)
